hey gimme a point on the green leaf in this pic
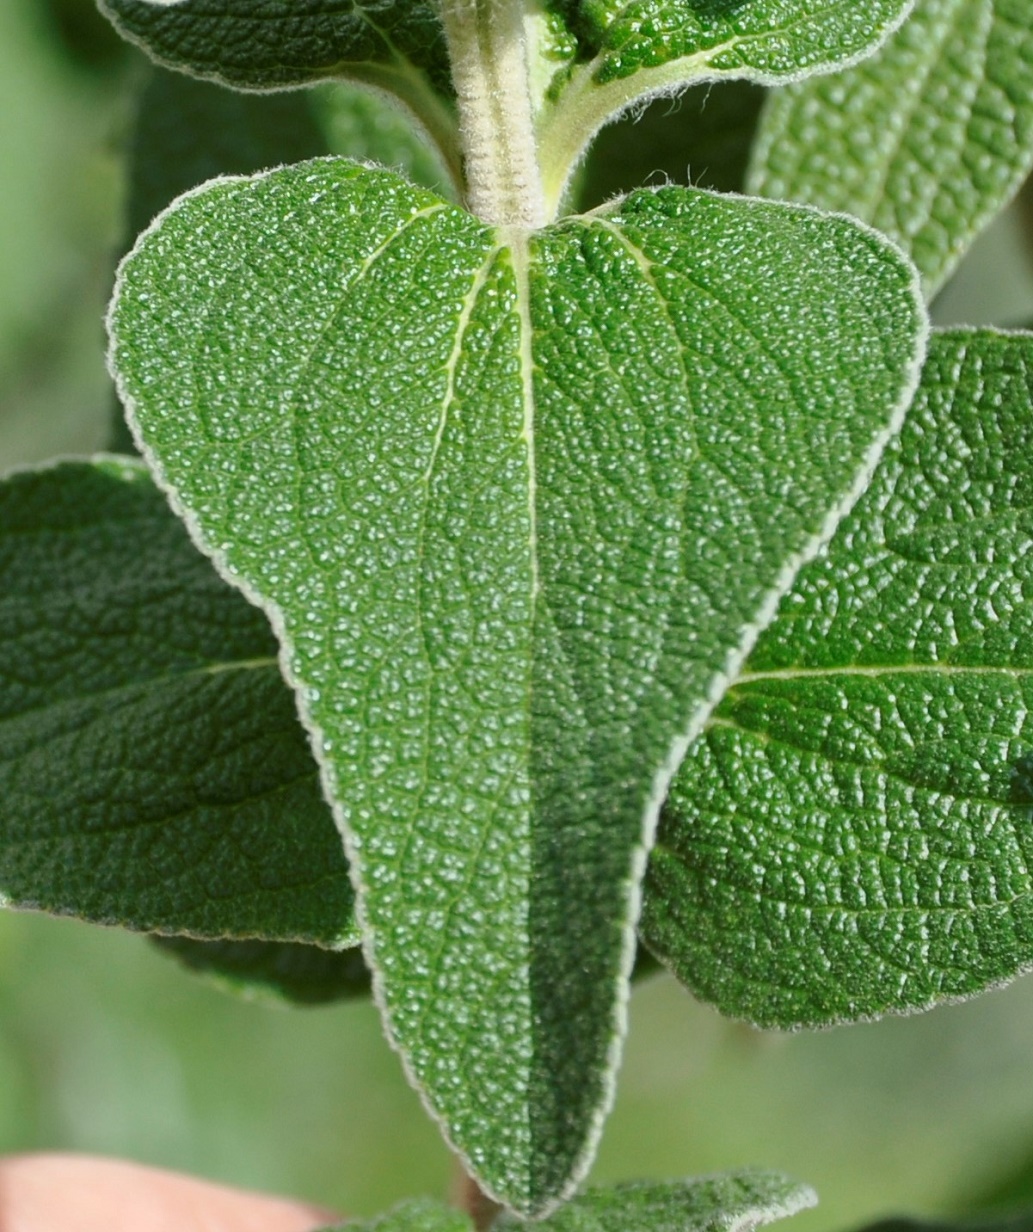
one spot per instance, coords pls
(627, 49)
(490, 487)
(187, 131)
(270, 44)
(729, 1202)
(284, 970)
(415, 1215)
(152, 769)
(392, 45)
(852, 835)
(926, 141)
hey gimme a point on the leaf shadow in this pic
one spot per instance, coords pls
(714, 10)
(1021, 786)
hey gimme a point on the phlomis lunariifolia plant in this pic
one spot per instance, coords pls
(643, 571)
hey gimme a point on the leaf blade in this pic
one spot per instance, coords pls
(412, 490)
(274, 44)
(153, 769)
(283, 971)
(848, 144)
(629, 51)
(878, 861)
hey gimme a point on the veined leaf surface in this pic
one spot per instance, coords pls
(926, 140)
(852, 835)
(395, 46)
(272, 44)
(728, 1202)
(517, 505)
(622, 50)
(152, 770)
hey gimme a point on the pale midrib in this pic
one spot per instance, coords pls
(136, 686)
(904, 669)
(517, 239)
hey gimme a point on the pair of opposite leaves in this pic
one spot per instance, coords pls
(517, 505)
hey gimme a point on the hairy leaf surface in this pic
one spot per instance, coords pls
(927, 140)
(517, 505)
(764, 40)
(626, 49)
(152, 769)
(853, 834)
(271, 44)
(392, 45)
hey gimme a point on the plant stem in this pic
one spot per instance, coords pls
(468, 1196)
(488, 51)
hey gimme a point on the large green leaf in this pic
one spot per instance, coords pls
(152, 770)
(852, 835)
(926, 141)
(625, 49)
(730, 1202)
(517, 504)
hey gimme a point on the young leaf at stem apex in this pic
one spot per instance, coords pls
(517, 505)
(512, 91)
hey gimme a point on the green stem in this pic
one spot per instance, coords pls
(488, 51)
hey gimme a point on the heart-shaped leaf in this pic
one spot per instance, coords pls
(952, 90)
(517, 505)
(852, 836)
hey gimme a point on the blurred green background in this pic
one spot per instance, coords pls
(107, 1046)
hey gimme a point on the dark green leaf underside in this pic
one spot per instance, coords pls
(854, 834)
(152, 769)
(270, 44)
(926, 140)
(490, 487)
